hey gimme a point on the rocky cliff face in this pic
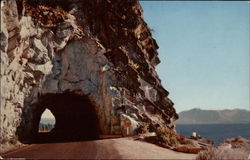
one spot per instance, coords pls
(72, 56)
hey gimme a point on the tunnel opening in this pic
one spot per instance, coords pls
(47, 121)
(75, 118)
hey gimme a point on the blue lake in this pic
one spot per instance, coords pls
(215, 132)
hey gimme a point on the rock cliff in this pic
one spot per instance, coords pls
(92, 63)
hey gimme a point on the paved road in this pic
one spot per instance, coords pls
(120, 148)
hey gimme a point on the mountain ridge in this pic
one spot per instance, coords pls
(226, 116)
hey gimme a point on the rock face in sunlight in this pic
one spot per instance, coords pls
(101, 52)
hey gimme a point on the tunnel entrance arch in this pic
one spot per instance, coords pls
(75, 116)
(47, 121)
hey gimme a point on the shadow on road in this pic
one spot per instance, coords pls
(100, 149)
(53, 137)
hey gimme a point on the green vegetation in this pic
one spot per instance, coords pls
(144, 128)
(167, 137)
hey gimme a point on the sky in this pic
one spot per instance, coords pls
(204, 52)
(47, 114)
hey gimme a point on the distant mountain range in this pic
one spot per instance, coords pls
(198, 116)
(47, 121)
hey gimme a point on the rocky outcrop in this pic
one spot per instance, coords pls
(102, 51)
(233, 148)
(237, 142)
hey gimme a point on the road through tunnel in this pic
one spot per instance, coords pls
(75, 119)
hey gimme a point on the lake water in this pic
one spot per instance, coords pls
(215, 132)
(47, 121)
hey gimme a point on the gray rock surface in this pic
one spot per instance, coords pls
(76, 53)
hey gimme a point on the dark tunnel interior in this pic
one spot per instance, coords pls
(75, 117)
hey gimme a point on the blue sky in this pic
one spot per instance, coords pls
(204, 52)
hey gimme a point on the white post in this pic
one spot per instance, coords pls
(194, 134)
